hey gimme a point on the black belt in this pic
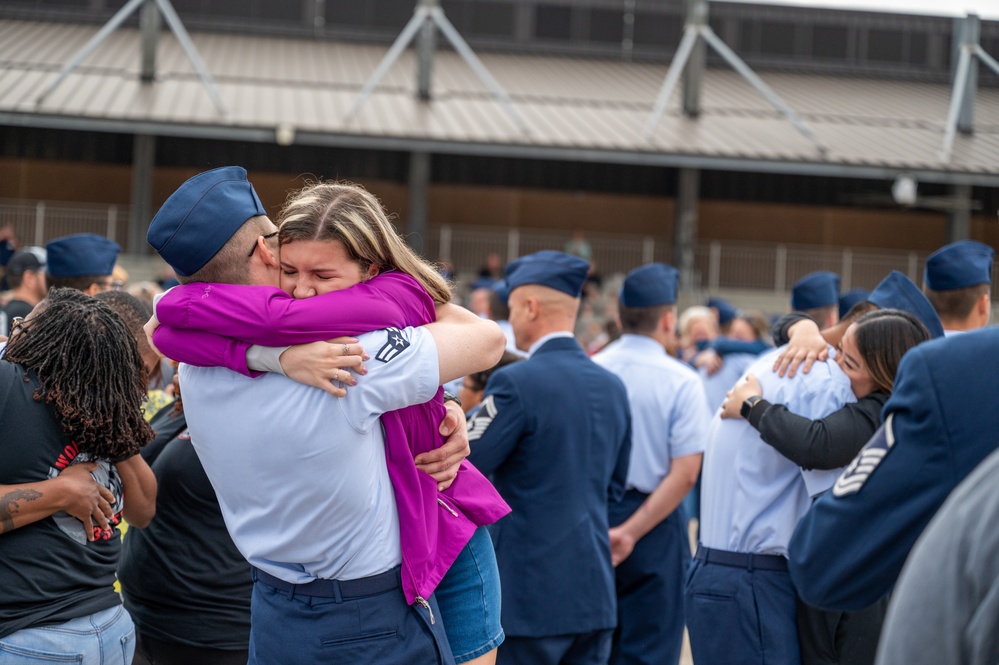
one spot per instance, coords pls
(339, 589)
(742, 559)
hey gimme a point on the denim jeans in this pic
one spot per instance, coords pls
(103, 638)
(469, 598)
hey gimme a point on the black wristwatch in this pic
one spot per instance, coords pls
(451, 397)
(748, 405)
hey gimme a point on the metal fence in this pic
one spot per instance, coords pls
(718, 265)
(37, 223)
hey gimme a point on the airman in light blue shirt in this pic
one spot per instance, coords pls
(670, 416)
(752, 498)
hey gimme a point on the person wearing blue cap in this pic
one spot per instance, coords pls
(939, 423)
(319, 523)
(724, 313)
(751, 499)
(806, 342)
(82, 261)
(868, 354)
(650, 548)
(817, 294)
(958, 281)
(499, 311)
(555, 433)
(849, 299)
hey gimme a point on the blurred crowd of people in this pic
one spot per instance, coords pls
(569, 468)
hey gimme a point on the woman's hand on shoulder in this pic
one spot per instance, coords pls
(805, 346)
(329, 366)
(748, 387)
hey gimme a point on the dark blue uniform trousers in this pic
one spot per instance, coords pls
(591, 648)
(650, 589)
(357, 622)
(741, 610)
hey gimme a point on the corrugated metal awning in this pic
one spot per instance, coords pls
(576, 109)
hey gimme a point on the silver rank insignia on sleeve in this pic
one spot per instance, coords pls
(483, 418)
(395, 345)
(863, 465)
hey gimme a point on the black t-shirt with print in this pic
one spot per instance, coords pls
(183, 580)
(49, 572)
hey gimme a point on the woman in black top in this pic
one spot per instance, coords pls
(869, 354)
(71, 388)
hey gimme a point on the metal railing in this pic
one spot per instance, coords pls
(718, 265)
(37, 223)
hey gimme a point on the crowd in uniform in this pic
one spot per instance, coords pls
(808, 491)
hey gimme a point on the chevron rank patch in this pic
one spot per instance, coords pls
(395, 345)
(866, 461)
(482, 419)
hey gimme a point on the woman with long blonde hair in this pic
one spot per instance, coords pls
(351, 272)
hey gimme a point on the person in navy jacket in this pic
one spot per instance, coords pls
(554, 432)
(939, 423)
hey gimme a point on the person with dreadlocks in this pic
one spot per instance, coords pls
(71, 389)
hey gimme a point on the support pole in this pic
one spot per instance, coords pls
(180, 32)
(426, 47)
(430, 11)
(693, 73)
(143, 165)
(149, 25)
(685, 231)
(419, 186)
(959, 219)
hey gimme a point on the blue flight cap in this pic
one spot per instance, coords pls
(959, 265)
(81, 254)
(814, 290)
(726, 312)
(501, 289)
(896, 291)
(649, 285)
(201, 216)
(557, 270)
(851, 298)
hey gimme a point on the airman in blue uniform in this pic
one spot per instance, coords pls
(817, 294)
(82, 261)
(940, 422)
(958, 281)
(554, 431)
(649, 543)
(851, 298)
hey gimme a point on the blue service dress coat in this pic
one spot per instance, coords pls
(940, 422)
(554, 432)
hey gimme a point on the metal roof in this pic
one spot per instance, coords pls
(578, 109)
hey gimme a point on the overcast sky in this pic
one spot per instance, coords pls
(987, 9)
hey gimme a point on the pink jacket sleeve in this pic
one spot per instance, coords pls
(202, 349)
(270, 317)
(213, 325)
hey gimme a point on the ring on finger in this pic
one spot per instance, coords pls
(346, 350)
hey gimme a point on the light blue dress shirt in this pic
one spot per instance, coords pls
(669, 412)
(752, 496)
(300, 475)
(733, 368)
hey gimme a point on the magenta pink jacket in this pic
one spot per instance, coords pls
(213, 325)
